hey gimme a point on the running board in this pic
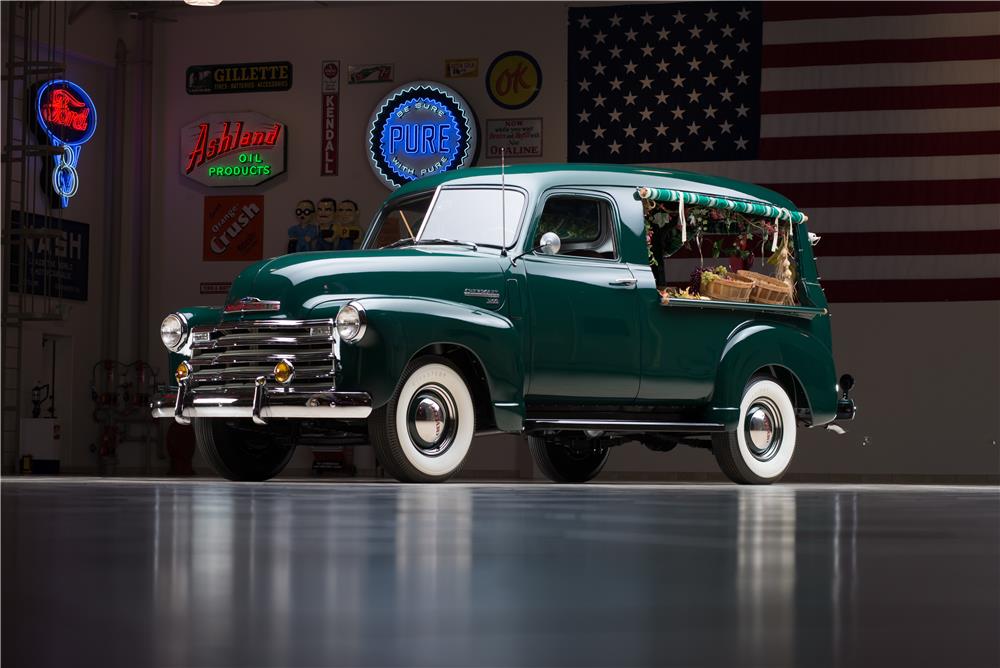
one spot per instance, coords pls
(558, 424)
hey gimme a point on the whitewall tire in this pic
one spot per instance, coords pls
(424, 432)
(761, 448)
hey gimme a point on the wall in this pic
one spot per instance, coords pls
(927, 373)
(89, 62)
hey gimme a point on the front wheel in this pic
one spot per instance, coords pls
(242, 451)
(560, 460)
(424, 432)
(761, 448)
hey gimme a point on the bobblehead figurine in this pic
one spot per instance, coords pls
(326, 222)
(302, 235)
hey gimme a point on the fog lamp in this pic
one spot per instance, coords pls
(284, 372)
(183, 371)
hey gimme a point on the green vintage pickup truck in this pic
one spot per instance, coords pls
(531, 301)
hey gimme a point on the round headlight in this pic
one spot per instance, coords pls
(351, 322)
(173, 331)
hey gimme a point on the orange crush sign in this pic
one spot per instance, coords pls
(234, 228)
(514, 79)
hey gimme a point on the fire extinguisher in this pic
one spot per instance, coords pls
(109, 441)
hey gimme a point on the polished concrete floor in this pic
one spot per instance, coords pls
(206, 573)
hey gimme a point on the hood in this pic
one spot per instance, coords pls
(448, 273)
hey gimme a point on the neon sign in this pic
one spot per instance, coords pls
(237, 149)
(67, 118)
(419, 129)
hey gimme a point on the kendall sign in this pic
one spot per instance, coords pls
(233, 149)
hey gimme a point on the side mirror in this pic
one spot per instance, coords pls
(551, 243)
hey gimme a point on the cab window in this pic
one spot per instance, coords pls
(584, 225)
(400, 220)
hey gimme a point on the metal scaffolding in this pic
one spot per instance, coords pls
(35, 51)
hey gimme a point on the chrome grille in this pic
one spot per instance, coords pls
(236, 353)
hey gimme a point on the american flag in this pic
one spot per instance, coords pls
(881, 120)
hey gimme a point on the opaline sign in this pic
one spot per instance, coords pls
(419, 129)
(67, 117)
(233, 149)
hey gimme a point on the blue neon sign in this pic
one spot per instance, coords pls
(67, 117)
(420, 129)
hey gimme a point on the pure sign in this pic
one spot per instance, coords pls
(419, 129)
(233, 149)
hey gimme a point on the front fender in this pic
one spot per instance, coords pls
(195, 317)
(400, 327)
(762, 344)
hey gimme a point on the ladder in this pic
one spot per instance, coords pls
(33, 31)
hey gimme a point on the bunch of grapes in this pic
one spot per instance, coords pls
(695, 284)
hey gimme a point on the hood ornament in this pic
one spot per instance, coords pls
(252, 305)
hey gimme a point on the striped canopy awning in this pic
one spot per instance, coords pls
(741, 205)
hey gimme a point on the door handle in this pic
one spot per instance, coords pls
(624, 282)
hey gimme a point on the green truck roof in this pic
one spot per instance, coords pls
(550, 174)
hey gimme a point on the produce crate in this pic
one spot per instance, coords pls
(727, 288)
(767, 289)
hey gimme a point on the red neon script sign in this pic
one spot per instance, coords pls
(64, 109)
(231, 138)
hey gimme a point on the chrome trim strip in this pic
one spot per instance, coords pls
(314, 405)
(620, 425)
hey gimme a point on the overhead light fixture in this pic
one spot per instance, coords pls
(203, 3)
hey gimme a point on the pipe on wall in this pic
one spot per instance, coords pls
(113, 231)
(142, 202)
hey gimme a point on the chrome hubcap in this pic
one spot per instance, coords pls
(762, 429)
(432, 419)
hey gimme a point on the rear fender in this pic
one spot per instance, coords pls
(760, 345)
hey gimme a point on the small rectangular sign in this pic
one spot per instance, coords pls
(461, 68)
(519, 137)
(57, 258)
(239, 78)
(380, 73)
(219, 288)
(330, 81)
(234, 228)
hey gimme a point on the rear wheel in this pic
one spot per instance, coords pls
(761, 448)
(564, 460)
(424, 432)
(239, 450)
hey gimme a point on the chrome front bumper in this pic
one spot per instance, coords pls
(260, 403)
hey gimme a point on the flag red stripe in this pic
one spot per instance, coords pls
(891, 193)
(871, 99)
(869, 244)
(943, 290)
(794, 11)
(880, 146)
(943, 242)
(981, 47)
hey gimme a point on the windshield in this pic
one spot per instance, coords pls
(473, 215)
(400, 220)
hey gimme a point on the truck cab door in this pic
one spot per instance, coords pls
(582, 304)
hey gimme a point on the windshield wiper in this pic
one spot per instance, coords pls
(445, 242)
(400, 242)
(432, 242)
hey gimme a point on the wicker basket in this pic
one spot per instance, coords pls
(730, 288)
(767, 289)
